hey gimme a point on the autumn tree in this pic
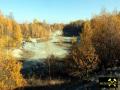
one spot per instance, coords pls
(17, 35)
(10, 32)
(25, 29)
(83, 57)
(10, 77)
(106, 37)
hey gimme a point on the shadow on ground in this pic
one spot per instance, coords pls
(74, 85)
(41, 71)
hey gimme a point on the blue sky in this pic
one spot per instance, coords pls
(54, 11)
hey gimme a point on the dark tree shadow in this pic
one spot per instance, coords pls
(41, 69)
(73, 29)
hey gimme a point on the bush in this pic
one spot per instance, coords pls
(10, 76)
(106, 37)
(83, 57)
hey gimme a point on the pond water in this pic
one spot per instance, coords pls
(55, 46)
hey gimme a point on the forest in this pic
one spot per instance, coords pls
(98, 50)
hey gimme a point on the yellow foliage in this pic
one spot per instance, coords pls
(106, 37)
(9, 31)
(10, 76)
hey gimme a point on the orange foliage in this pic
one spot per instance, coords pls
(83, 56)
(35, 30)
(11, 30)
(106, 37)
(10, 76)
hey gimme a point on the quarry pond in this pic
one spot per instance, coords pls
(57, 45)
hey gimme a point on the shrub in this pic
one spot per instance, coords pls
(106, 37)
(10, 76)
(83, 57)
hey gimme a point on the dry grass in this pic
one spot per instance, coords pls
(44, 82)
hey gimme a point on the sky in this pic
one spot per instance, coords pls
(56, 11)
